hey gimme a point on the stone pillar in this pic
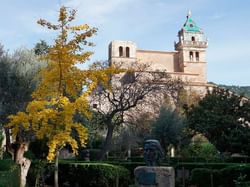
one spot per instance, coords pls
(148, 176)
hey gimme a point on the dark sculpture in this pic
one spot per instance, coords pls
(153, 152)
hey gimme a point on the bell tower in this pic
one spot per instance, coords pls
(191, 48)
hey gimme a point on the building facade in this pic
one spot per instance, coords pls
(187, 62)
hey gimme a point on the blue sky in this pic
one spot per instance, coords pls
(151, 24)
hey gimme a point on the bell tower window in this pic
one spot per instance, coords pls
(197, 56)
(193, 39)
(127, 52)
(120, 51)
(191, 55)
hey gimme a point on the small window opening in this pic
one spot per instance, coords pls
(191, 55)
(127, 52)
(193, 38)
(197, 56)
(120, 51)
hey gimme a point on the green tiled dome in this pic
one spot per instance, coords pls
(190, 25)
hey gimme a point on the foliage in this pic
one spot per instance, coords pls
(139, 127)
(185, 99)
(129, 91)
(232, 173)
(123, 141)
(41, 48)
(9, 173)
(38, 173)
(223, 119)
(93, 174)
(17, 81)
(95, 128)
(205, 177)
(240, 90)
(38, 149)
(168, 128)
(231, 176)
(89, 154)
(6, 164)
(59, 95)
(204, 150)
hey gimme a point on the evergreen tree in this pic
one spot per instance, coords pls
(223, 118)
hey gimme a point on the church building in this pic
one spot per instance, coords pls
(187, 62)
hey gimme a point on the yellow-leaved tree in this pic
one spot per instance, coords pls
(62, 92)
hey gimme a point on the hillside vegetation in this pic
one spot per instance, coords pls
(241, 90)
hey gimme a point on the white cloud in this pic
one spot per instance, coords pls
(96, 11)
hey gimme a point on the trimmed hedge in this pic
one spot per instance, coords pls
(232, 173)
(6, 164)
(191, 166)
(231, 176)
(203, 177)
(92, 175)
(9, 174)
(228, 159)
(128, 165)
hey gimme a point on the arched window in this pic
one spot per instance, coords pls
(120, 51)
(193, 38)
(191, 55)
(197, 56)
(127, 52)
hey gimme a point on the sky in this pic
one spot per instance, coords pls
(151, 24)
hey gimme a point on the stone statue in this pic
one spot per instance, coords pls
(154, 175)
(153, 152)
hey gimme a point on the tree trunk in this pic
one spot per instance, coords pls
(56, 170)
(107, 143)
(8, 146)
(22, 161)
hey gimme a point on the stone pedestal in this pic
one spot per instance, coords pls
(148, 176)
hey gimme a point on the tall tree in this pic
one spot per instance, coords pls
(224, 119)
(168, 128)
(17, 82)
(59, 95)
(133, 88)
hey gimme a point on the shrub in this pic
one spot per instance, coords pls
(204, 150)
(9, 174)
(192, 165)
(93, 175)
(235, 175)
(38, 172)
(128, 165)
(203, 177)
(232, 173)
(6, 165)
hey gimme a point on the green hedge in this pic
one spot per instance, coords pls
(9, 174)
(128, 165)
(191, 166)
(232, 173)
(203, 177)
(92, 175)
(225, 159)
(231, 176)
